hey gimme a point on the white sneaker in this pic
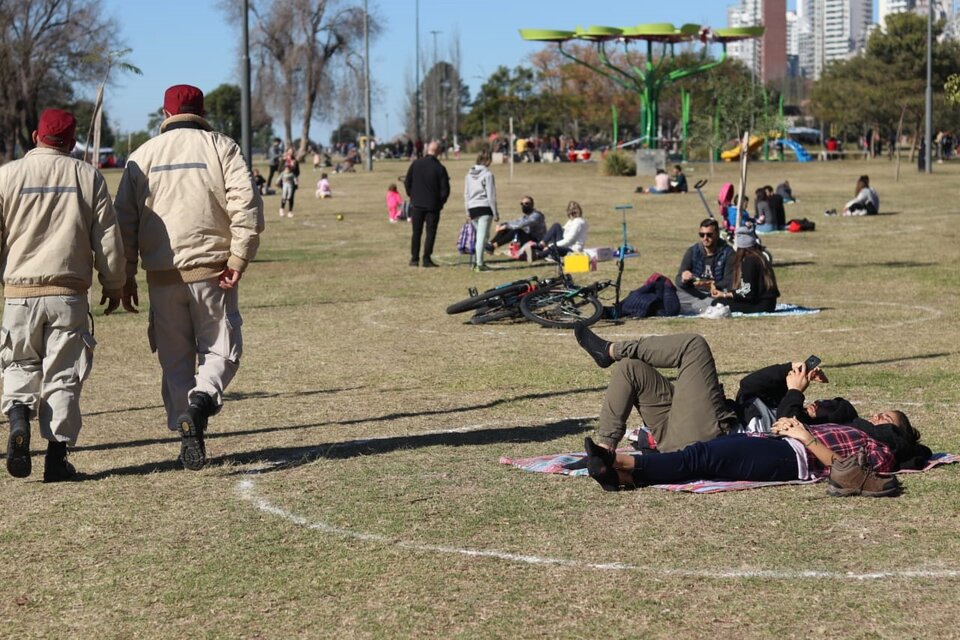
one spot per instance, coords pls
(717, 311)
(290, 214)
(282, 212)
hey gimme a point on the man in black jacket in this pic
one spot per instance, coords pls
(428, 186)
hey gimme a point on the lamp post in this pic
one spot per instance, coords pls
(928, 120)
(245, 137)
(368, 160)
(417, 71)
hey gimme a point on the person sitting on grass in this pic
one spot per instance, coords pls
(678, 183)
(661, 183)
(750, 285)
(561, 240)
(323, 187)
(688, 416)
(703, 263)
(866, 202)
(531, 225)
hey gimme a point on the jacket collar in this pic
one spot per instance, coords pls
(185, 121)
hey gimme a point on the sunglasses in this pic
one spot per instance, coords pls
(707, 235)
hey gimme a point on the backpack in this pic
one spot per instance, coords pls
(467, 240)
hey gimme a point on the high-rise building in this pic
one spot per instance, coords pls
(765, 56)
(840, 29)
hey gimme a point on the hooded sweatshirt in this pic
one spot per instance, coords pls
(480, 190)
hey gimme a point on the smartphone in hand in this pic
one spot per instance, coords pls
(812, 363)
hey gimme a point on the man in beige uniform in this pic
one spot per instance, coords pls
(187, 206)
(57, 224)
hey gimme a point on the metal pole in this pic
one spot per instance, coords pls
(417, 65)
(368, 161)
(928, 129)
(246, 143)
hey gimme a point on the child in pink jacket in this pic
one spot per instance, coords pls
(394, 203)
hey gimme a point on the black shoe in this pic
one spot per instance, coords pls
(604, 474)
(597, 347)
(55, 465)
(193, 423)
(427, 262)
(489, 248)
(596, 451)
(18, 445)
(414, 263)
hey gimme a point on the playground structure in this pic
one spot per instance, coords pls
(650, 79)
(756, 142)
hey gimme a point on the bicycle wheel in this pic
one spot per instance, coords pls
(498, 313)
(561, 307)
(480, 300)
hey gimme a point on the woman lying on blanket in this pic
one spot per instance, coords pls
(793, 451)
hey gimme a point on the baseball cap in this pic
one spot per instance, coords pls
(183, 98)
(57, 128)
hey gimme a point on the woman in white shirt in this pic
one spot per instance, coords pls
(567, 239)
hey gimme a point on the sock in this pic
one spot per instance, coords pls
(597, 347)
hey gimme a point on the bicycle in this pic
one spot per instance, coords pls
(554, 302)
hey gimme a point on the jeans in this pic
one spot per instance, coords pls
(733, 457)
(482, 225)
(421, 219)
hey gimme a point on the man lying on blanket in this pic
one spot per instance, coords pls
(688, 417)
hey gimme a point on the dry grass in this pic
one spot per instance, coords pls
(344, 342)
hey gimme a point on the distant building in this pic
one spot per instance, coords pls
(840, 29)
(766, 57)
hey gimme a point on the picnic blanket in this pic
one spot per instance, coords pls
(782, 309)
(556, 464)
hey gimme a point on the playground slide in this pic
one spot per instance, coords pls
(798, 150)
(752, 145)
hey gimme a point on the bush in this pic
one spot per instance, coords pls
(619, 163)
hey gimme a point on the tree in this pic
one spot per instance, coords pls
(350, 130)
(82, 110)
(46, 47)
(223, 109)
(888, 80)
(300, 41)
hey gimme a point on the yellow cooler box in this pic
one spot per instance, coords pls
(579, 263)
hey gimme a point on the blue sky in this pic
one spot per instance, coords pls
(182, 41)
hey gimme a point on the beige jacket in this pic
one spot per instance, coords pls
(187, 205)
(57, 224)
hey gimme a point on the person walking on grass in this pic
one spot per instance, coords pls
(480, 202)
(58, 224)
(428, 186)
(188, 209)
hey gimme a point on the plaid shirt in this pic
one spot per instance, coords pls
(844, 441)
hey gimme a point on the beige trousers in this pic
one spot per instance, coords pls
(46, 352)
(194, 329)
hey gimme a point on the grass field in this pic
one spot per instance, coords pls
(355, 491)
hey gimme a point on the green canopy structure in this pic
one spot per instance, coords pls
(649, 80)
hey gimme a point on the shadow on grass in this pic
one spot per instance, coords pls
(890, 264)
(847, 365)
(795, 263)
(263, 454)
(291, 457)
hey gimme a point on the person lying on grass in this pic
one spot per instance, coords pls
(792, 451)
(693, 409)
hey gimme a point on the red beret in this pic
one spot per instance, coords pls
(57, 128)
(183, 98)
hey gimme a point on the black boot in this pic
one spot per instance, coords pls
(193, 423)
(18, 445)
(55, 465)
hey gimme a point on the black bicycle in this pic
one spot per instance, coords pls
(555, 302)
